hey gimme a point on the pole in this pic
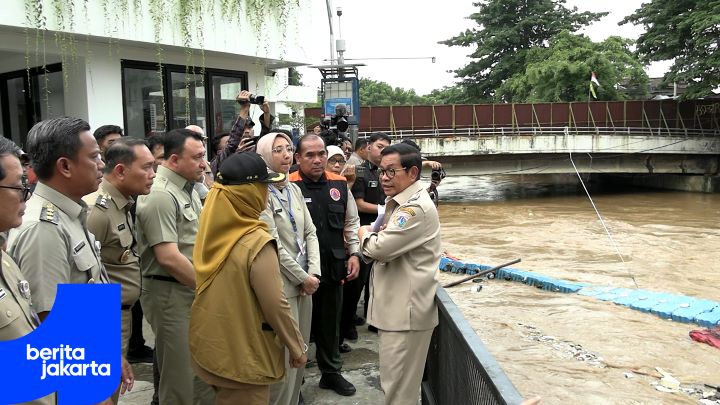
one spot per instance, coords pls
(482, 273)
(332, 34)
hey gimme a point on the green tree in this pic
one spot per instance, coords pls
(294, 77)
(456, 94)
(687, 31)
(562, 71)
(507, 30)
(378, 93)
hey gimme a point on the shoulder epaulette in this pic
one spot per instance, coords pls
(49, 213)
(102, 200)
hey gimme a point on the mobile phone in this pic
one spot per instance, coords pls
(253, 141)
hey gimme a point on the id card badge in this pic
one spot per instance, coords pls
(301, 258)
(301, 244)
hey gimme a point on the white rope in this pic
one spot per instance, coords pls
(607, 231)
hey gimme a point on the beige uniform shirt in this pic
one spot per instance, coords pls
(294, 264)
(111, 223)
(168, 214)
(53, 246)
(17, 317)
(407, 255)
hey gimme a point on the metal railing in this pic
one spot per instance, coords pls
(544, 131)
(459, 369)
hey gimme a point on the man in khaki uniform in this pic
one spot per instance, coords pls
(167, 223)
(128, 171)
(53, 245)
(406, 251)
(17, 316)
(66, 159)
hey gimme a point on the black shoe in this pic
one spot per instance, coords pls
(372, 329)
(142, 355)
(351, 334)
(345, 348)
(337, 383)
(359, 321)
(301, 400)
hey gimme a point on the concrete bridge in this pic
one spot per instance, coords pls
(548, 150)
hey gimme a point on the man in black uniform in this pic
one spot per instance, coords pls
(327, 198)
(368, 196)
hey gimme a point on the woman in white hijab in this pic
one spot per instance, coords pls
(337, 163)
(291, 225)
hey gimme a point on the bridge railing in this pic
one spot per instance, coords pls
(472, 132)
(459, 369)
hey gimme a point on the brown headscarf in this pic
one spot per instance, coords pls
(264, 149)
(230, 213)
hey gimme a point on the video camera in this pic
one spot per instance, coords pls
(259, 100)
(335, 127)
(437, 175)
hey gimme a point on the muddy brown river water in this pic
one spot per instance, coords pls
(569, 348)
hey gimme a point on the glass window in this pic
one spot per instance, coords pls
(17, 110)
(188, 100)
(47, 92)
(224, 106)
(143, 102)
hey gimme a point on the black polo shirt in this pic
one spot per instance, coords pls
(367, 186)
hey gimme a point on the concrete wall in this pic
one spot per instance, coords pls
(583, 143)
(264, 35)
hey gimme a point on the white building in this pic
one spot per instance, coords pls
(101, 63)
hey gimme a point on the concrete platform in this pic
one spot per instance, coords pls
(360, 368)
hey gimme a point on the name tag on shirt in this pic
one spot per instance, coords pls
(372, 184)
(79, 246)
(308, 200)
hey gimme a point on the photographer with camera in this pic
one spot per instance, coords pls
(242, 135)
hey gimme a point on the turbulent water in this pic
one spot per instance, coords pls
(566, 347)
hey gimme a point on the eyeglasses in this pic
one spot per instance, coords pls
(25, 191)
(390, 173)
(280, 149)
(334, 161)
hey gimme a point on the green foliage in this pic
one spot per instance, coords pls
(507, 30)
(687, 31)
(562, 71)
(456, 94)
(294, 77)
(377, 93)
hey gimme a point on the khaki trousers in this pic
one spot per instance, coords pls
(126, 329)
(229, 392)
(402, 362)
(167, 308)
(287, 392)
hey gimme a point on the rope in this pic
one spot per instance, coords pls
(607, 231)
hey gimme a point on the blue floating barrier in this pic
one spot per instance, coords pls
(690, 313)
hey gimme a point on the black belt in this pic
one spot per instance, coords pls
(125, 307)
(163, 278)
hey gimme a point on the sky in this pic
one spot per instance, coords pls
(412, 29)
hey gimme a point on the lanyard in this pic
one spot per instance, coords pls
(289, 208)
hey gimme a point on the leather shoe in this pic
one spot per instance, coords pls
(351, 334)
(337, 383)
(345, 348)
(372, 329)
(143, 354)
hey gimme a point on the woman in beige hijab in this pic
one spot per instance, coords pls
(240, 319)
(290, 224)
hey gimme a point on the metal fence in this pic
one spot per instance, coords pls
(459, 369)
